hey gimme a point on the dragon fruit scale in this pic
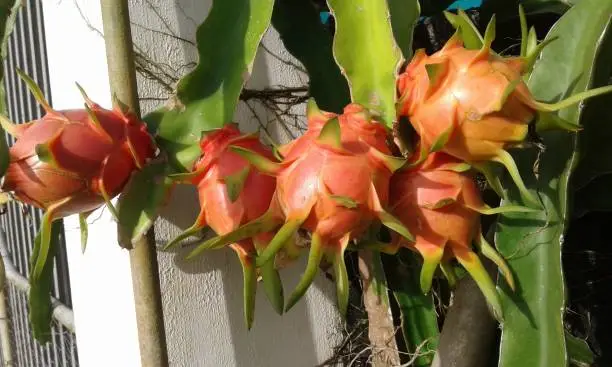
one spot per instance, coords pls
(333, 181)
(231, 193)
(439, 202)
(73, 161)
(474, 105)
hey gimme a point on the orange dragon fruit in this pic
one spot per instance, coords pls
(73, 161)
(232, 193)
(440, 204)
(332, 182)
(474, 104)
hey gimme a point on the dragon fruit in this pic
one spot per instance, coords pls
(232, 193)
(474, 104)
(333, 182)
(73, 161)
(440, 204)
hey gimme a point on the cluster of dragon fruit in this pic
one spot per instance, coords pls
(339, 183)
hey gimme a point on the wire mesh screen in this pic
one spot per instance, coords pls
(26, 51)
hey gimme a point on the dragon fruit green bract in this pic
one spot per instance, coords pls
(232, 193)
(333, 181)
(440, 204)
(474, 104)
(73, 161)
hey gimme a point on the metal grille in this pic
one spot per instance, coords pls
(27, 51)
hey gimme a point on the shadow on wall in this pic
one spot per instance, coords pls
(203, 301)
(204, 306)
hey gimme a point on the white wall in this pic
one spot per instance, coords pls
(203, 298)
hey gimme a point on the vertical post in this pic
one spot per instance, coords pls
(5, 326)
(143, 258)
(381, 330)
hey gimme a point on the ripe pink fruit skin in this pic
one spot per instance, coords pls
(231, 193)
(217, 163)
(414, 195)
(85, 160)
(313, 172)
(333, 182)
(440, 205)
(469, 95)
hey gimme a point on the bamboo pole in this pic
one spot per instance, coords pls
(5, 326)
(143, 258)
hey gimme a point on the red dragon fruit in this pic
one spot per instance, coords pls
(440, 204)
(73, 161)
(474, 104)
(232, 193)
(333, 182)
